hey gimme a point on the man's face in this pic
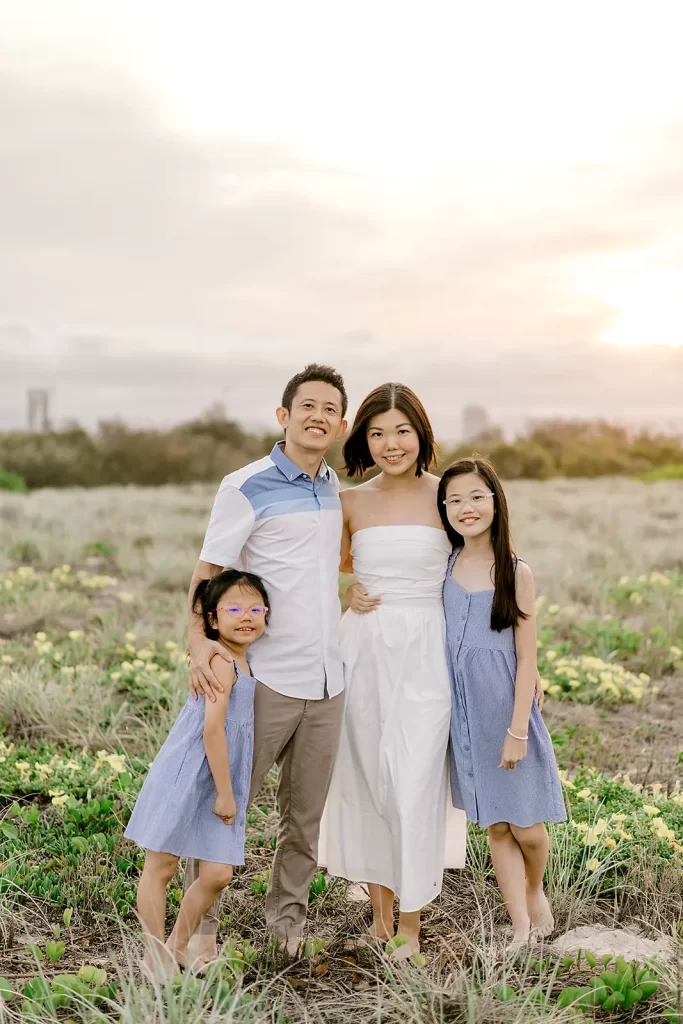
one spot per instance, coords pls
(315, 421)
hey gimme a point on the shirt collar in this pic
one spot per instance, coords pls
(290, 469)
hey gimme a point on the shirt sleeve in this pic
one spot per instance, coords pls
(230, 526)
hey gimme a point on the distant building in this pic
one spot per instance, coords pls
(475, 422)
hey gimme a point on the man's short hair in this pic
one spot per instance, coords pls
(315, 372)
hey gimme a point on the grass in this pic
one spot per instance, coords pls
(92, 676)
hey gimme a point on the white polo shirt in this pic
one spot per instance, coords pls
(271, 519)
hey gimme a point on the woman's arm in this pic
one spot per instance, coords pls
(515, 750)
(215, 742)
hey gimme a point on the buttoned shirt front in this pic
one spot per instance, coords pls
(272, 519)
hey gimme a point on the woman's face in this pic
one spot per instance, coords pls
(240, 617)
(470, 506)
(393, 442)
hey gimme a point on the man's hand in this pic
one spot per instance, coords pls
(225, 808)
(202, 679)
(539, 693)
(360, 601)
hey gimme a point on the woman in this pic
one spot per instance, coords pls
(386, 815)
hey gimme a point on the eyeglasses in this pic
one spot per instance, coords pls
(475, 499)
(236, 611)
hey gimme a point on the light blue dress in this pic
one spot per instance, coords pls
(173, 813)
(483, 667)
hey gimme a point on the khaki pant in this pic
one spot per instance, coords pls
(302, 737)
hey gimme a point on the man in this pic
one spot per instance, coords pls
(281, 518)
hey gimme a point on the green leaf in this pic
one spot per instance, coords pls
(633, 996)
(611, 979)
(393, 944)
(54, 950)
(36, 951)
(648, 988)
(591, 959)
(504, 992)
(568, 996)
(9, 830)
(68, 913)
(5, 989)
(92, 975)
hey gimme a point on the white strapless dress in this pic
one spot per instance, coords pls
(389, 817)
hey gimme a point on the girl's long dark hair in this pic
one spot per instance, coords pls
(505, 611)
(208, 594)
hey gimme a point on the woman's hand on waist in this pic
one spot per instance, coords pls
(360, 601)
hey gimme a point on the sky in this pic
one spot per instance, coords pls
(484, 201)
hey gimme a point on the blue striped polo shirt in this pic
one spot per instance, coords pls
(272, 519)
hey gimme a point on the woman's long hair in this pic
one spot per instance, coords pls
(505, 611)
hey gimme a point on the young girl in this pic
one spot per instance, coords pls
(503, 770)
(194, 800)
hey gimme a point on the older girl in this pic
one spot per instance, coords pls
(503, 771)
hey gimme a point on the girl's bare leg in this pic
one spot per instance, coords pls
(382, 900)
(534, 844)
(212, 878)
(509, 865)
(151, 902)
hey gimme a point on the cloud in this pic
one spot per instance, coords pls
(145, 273)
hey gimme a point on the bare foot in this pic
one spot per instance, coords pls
(408, 946)
(202, 947)
(519, 940)
(293, 944)
(159, 964)
(542, 920)
(377, 933)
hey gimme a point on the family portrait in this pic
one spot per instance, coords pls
(390, 727)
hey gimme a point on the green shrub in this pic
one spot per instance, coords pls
(12, 482)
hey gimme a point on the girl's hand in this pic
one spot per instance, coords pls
(514, 751)
(539, 693)
(225, 808)
(360, 601)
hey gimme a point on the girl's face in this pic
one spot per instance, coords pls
(393, 442)
(240, 617)
(470, 506)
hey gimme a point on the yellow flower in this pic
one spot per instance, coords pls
(644, 677)
(553, 609)
(138, 664)
(554, 689)
(580, 826)
(623, 580)
(636, 692)
(655, 690)
(130, 637)
(152, 667)
(171, 645)
(41, 637)
(7, 659)
(583, 794)
(126, 666)
(593, 864)
(76, 634)
(68, 670)
(115, 676)
(59, 801)
(130, 648)
(619, 817)
(551, 655)
(145, 654)
(125, 598)
(649, 809)
(22, 766)
(117, 762)
(610, 842)
(8, 584)
(636, 598)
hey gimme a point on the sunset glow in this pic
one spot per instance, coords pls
(647, 307)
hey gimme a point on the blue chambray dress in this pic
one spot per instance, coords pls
(483, 667)
(173, 813)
